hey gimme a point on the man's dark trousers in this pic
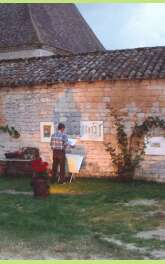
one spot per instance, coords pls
(58, 160)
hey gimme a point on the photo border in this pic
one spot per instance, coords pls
(80, 1)
(82, 261)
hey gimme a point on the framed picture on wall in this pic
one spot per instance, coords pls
(155, 146)
(46, 130)
(91, 130)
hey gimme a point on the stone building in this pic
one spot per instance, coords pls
(37, 92)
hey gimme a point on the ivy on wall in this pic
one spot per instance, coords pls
(130, 150)
(10, 130)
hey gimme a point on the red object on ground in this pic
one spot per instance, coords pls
(39, 166)
(40, 187)
(39, 183)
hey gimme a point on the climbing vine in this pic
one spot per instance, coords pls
(10, 130)
(128, 153)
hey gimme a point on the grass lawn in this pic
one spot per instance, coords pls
(87, 219)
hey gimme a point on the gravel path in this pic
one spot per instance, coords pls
(9, 191)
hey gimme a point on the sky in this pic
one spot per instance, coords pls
(121, 26)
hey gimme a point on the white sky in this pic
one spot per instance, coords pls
(121, 26)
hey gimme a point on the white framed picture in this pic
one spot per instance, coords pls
(91, 130)
(155, 146)
(46, 130)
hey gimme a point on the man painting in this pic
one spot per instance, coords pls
(59, 142)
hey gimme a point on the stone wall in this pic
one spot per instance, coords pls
(25, 107)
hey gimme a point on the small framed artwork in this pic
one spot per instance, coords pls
(91, 130)
(155, 146)
(46, 130)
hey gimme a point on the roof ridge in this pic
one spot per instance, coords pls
(38, 32)
(34, 26)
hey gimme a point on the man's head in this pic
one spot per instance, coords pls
(61, 127)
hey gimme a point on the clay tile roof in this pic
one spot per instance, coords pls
(131, 64)
(54, 26)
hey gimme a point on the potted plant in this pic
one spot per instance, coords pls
(40, 178)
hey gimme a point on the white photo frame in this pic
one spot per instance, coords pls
(91, 130)
(155, 146)
(46, 130)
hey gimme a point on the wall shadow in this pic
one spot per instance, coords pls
(67, 111)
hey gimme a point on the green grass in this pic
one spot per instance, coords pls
(18, 184)
(72, 222)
